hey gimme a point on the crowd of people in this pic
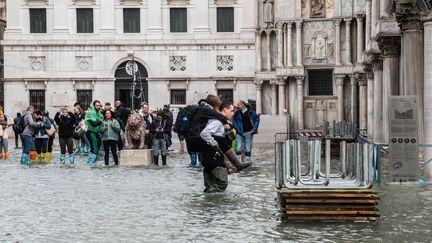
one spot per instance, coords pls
(220, 147)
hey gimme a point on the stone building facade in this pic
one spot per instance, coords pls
(59, 52)
(309, 61)
(2, 29)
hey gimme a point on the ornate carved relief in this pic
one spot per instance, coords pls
(269, 13)
(177, 63)
(138, 1)
(317, 9)
(225, 63)
(407, 14)
(28, 1)
(74, 2)
(319, 45)
(176, 1)
(84, 63)
(389, 46)
(37, 63)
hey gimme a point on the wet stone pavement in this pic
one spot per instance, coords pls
(61, 203)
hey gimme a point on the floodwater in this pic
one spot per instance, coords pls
(55, 203)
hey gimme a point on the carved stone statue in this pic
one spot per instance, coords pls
(135, 132)
(317, 9)
(268, 13)
(319, 46)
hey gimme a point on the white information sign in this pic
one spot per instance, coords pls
(403, 138)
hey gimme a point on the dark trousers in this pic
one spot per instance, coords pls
(17, 135)
(66, 143)
(41, 145)
(50, 144)
(107, 145)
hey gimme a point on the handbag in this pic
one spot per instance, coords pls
(51, 131)
(78, 132)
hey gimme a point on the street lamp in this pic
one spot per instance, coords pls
(132, 68)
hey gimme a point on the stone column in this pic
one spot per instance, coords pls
(299, 43)
(258, 49)
(13, 16)
(368, 21)
(370, 101)
(258, 86)
(428, 101)
(289, 44)
(385, 8)
(155, 16)
(60, 11)
(348, 40)
(409, 20)
(268, 51)
(280, 44)
(273, 84)
(107, 21)
(337, 23)
(282, 96)
(363, 101)
(201, 16)
(339, 93)
(378, 135)
(375, 16)
(360, 43)
(354, 96)
(300, 112)
(390, 48)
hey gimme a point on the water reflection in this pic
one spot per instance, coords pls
(52, 203)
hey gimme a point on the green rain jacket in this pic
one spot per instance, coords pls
(93, 120)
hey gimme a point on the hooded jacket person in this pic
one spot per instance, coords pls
(93, 121)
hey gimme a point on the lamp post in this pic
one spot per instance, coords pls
(131, 69)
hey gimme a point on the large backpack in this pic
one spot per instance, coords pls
(192, 119)
(20, 127)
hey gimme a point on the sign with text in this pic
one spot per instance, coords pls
(403, 138)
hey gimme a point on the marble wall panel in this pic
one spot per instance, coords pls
(347, 8)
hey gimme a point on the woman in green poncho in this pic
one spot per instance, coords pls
(93, 121)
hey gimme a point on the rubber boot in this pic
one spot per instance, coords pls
(62, 159)
(248, 159)
(1, 155)
(47, 158)
(234, 160)
(231, 169)
(156, 160)
(24, 159)
(38, 158)
(193, 158)
(42, 158)
(6, 155)
(32, 155)
(90, 158)
(163, 159)
(71, 159)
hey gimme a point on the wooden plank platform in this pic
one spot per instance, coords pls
(329, 204)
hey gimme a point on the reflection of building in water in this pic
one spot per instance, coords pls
(404, 115)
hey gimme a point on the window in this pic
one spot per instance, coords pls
(225, 19)
(38, 20)
(178, 20)
(320, 82)
(178, 97)
(131, 20)
(84, 97)
(226, 94)
(84, 20)
(37, 99)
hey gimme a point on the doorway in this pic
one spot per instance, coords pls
(124, 85)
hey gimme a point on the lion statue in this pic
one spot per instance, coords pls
(135, 132)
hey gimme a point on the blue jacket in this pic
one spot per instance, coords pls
(238, 124)
(40, 132)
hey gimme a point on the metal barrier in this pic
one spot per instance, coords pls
(354, 169)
